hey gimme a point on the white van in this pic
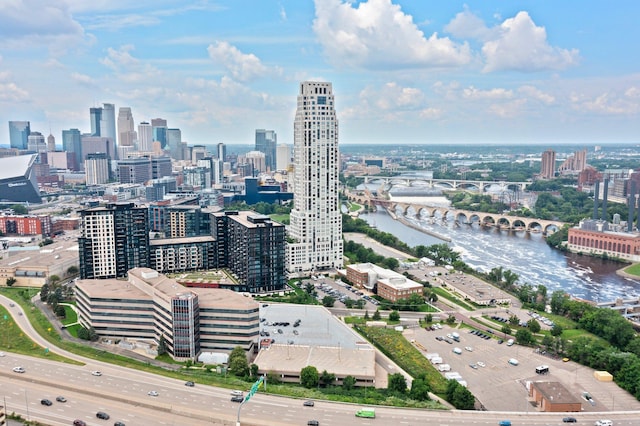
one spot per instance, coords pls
(457, 351)
(604, 423)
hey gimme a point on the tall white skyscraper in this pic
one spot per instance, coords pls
(283, 156)
(315, 220)
(145, 137)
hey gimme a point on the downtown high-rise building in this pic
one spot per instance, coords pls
(315, 220)
(548, 164)
(72, 143)
(266, 141)
(126, 127)
(159, 129)
(145, 137)
(113, 239)
(19, 132)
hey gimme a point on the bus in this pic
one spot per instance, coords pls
(366, 412)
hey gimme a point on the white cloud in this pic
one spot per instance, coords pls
(127, 67)
(242, 66)
(534, 93)
(36, 21)
(468, 25)
(283, 12)
(83, 79)
(10, 92)
(523, 46)
(498, 93)
(632, 92)
(431, 113)
(605, 104)
(378, 34)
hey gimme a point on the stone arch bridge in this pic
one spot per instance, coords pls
(501, 221)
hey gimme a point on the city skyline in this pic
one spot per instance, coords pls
(404, 71)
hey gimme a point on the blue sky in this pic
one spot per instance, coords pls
(403, 71)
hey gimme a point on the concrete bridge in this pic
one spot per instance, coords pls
(420, 181)
(449, 214)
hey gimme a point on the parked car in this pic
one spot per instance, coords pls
(308, 403)
(504, 423)
(46, 402)
(78, 422)
(313, 423)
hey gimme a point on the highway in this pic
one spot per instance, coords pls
(122, 393)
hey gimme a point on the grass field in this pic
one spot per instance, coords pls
(633, 269)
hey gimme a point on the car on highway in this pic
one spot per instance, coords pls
(313, 423)
(102, 415)
(190, 384)
(96, 373)
(308, 403)
(504, 423)
(119, 424)
(46, 402)
(152, 393)
(78, 422)
(237, 398)
(603, 423)
(61, 399)
(18, 370)
(1, 354)
(569, 420)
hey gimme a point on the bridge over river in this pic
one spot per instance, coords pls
(449, 214)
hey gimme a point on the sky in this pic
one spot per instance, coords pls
(403, 71)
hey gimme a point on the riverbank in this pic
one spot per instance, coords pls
(418, 228)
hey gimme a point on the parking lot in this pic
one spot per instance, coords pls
(340, 291)
(499, 385)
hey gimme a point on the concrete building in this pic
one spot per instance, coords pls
(135, 170)
(473, 289)
(316, 221)
(548, 164)
(97, 168)
(172, 255)
(113, 239)
(283, 157)
(126, 127)
(554, 397)
(33, 268)
(145, 137)
(150, 307)
(388, 284)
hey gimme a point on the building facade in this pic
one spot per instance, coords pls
(26, 225)
(252, 246)
(19, 132)
(151, 307)
(548, 164)
(113, 239)
(593, 237)
(135, 170)
(315, 220)
(97, 168)
(266, 141)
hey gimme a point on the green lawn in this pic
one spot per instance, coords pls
(633, 269)
(441, 292)
(280, 218)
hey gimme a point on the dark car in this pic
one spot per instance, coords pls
(190, 384)
(308, 403)
(61, 399)
(78, 422)
(569, 420)
(46, 402)
(102, 415)
(119, 424)
(313, 423)
(237, 398)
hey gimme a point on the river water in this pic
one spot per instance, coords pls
(525, 254)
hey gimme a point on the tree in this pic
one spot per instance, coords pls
(349, 382)
(506, 329)
(524, 337)
(534, 325)
(397, 383)
(451, 320)
(420, 388)
(11, 281)
(348, 302)
(83, 333)
(326, 378)
(44, 292)
(19, 209)
(360, 304)
(60, 312)
(557, 330)
(376, 315)
(428, 318)
(366, 315)
(238, 364)
(162, 345)
(93, 335)
(254, 370)
(309, 377)
(394, 316)
(514, 320)
(328, 301)
(53, 279)
(72, 270)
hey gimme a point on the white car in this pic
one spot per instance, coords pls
(96, 373)
(1, 354)
(468, 348)
(481, 364)
(152, 393)
(18, 370)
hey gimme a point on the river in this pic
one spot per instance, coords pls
(523, 253)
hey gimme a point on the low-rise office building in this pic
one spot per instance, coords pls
(389, 284)
(149, 306)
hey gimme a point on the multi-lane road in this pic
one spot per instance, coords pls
(123, 394)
